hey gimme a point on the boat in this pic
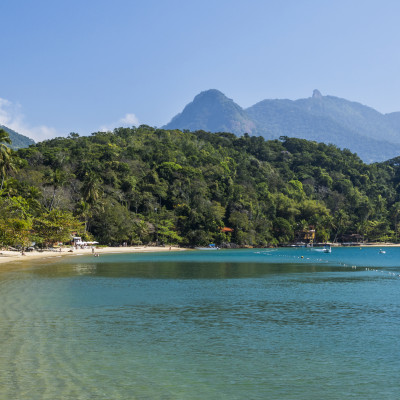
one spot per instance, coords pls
(211, 246)
(382, 251)
(327, 249)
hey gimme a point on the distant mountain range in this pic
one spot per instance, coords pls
(18, 141)
(346, 124)
(363, 130)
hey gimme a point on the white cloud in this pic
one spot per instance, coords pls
(42, 132)
(130, 119)
(12, 117)
(127, 121)
(9, 113)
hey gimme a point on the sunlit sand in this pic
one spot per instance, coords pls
(7, 256)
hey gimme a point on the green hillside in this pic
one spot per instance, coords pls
(18, 141)
(146, 185)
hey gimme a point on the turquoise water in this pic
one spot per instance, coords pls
(229, 324)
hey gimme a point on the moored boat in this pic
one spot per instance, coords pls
(327, 249)
(211, 246)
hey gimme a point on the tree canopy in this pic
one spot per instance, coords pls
(141, 185)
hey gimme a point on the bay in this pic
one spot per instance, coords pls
(230, 324)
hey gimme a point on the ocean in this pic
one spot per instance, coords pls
(228, 324)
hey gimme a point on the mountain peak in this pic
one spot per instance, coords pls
(211, 95)
(329, 119)
(211, 92)
(316, 94)
(212, 111)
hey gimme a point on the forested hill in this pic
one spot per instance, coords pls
(146, 185)
(17, 140)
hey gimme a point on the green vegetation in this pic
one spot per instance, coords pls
(17, 140)
(147, 185)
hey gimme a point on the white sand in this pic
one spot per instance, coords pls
(10, 256)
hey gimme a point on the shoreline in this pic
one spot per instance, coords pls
(8, 256)
(11, 257)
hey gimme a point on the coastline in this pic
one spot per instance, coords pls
(10, 257)
(7, 256)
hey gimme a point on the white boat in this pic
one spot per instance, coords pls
(209, 247)
(327, 249)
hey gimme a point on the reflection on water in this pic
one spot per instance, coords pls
(84, 269)
(177, 270)
(237, 325)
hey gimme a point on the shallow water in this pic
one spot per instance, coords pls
(234, 324)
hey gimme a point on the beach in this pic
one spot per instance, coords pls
(7, 256)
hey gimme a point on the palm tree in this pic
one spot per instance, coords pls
(6, 162)
(91, 194)
(4, 137)
(91, 190)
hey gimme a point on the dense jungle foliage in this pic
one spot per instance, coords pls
(148, 185)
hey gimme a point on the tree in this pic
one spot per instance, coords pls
(91, 192)
(283, 230)
(341, 222)
(55, 226)
(6, 162)
(265, 190)
(141, 229)
(15, 232)
(395, 216)
(15, 221)
(91, 189)
(57, 178)
(167, 232)
(112, 223)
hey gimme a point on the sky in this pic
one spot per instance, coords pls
(88, 65)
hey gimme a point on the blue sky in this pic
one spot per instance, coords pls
(82, 66)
